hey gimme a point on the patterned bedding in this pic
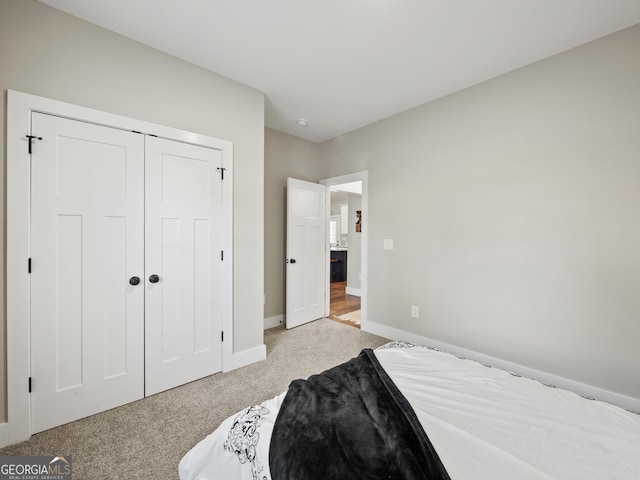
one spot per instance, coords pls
(484, 423)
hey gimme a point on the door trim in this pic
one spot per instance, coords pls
(19, 108)
(362, 176)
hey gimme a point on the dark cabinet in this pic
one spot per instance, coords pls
(338, 266)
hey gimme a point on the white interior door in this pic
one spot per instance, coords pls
(126, 235)
(183, 249)
(306, 252)
(87, 240)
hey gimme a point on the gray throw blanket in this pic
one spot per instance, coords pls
(350, 422)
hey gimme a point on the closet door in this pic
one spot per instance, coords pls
(87, 240)
(183, 263)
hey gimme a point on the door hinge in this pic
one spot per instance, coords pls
(222, 336)
(221, 169)
(29, 384)
(31, 139)
(29, 265)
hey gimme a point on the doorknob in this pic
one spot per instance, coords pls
(154, 278)
(293, 260)
(134, 280)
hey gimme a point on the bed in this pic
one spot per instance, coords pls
(455, 419)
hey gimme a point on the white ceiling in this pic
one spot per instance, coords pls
(342, 64)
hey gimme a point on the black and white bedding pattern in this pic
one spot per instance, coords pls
(238, 449)
(483, 423)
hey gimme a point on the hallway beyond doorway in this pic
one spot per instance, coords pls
(342, 304)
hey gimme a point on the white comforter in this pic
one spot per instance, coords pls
(238, 449)
(485, 424)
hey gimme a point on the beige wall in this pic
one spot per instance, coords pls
(354, 256)
(48, 53)
(285, 156)
(514, 210)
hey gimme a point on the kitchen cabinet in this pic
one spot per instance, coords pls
(338, 265)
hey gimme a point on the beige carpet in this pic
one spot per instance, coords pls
(147, 439)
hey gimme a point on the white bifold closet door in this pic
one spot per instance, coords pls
(87, 241)
(125, 297)
(183, 249)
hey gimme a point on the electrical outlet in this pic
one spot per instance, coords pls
(415, 311)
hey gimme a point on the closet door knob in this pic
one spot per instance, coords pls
(134, 280)
(154, 278)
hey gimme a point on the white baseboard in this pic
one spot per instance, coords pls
(353, 291)
(246, 357)
(275, 321)
(584, 389)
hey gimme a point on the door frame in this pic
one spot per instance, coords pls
(18, 341)
(362, 176)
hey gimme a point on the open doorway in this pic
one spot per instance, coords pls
(344, 308)
(345, 220)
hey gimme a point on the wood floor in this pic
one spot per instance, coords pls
(341, 303)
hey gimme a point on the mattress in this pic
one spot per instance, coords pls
(483, 422)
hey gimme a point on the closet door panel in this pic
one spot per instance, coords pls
(183, 249)
(87, 240)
